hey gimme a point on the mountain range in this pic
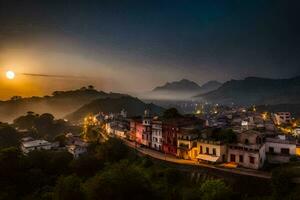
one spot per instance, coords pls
(255, 90)
(181, 90)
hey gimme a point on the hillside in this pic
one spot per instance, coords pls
(132, 105)
(254, 90)
(59, 103)
(209, 86)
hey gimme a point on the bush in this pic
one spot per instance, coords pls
(215, 190)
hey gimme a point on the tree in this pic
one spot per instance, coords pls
(15, 98)
(26, 121)
(68, 188)
(171, 113)
(111, 151)
(119, 181)
(86, 166)
(8, 136)
(91, 87)
(281, 182)
(215, 190)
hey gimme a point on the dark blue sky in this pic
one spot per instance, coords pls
(158, 41)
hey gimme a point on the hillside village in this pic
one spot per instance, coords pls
(227, 137)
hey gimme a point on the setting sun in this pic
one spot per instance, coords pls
(10, 75)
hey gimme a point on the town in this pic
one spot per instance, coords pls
(227, 137)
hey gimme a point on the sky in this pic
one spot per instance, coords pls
(134, 46)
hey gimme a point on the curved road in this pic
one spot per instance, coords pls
(173, 159)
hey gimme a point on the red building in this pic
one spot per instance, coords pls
(170, 130)
(140, 129)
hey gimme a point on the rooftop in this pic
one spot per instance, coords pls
(35, 143)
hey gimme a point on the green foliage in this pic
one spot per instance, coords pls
(26, 121)
(215, 190)
(68, 188)
(86, 166)
(171, 113)
(282, 182)
(225, 135)
(119, 181)
(45, 125)
(61, 139)
(8, 136)
(112, 150)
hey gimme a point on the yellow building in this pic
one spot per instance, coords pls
(298, 150)
(211, 151)
(187, 146)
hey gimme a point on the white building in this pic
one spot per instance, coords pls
(279, 149)
(282, 118)
(77, 150)
(156, 136)
(28, 146)
(249, 151)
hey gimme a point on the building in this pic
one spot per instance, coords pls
(139, 132)
(77, 150)
(32, 145)
(119, 128)
(211, 151)
(279, 149)
(282, 118)
(156, 137)
(187, 143)
(171, 130)
(146, 134)
(249, 151)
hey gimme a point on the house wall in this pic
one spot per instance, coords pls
(156, 137)
(221, 150)
(278, 146)
(259, 157)
(277, 156)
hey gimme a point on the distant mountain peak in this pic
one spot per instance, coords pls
(181, 85)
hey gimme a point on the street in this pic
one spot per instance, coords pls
(173, 159)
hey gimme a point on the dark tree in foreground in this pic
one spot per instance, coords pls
(215, 190)
(119, 181)
(68, 188)
(8, 136)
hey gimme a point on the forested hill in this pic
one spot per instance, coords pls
(60, 103)
(132, 105)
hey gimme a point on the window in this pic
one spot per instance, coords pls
(271, 149)
(214, 151)
(232, 158)
(201, 150)
(246, 141)
(285, 151)
(207, 150)
(241, 158)
(251, 159)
